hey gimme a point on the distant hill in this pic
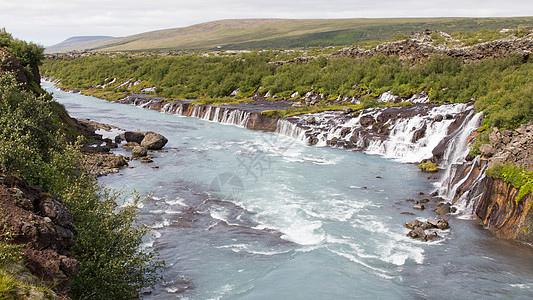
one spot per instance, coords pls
(80, 43)
(287, 33)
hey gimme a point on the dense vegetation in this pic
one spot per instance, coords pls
(30, 56)
(502, 88)
(34, 146)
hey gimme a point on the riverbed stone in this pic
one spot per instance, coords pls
(154, 141)
(133, 136)
(138, 151)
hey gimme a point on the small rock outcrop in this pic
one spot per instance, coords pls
(153, 141)
(421, 46)
(426, 230)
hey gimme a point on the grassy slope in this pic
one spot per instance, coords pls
(285, 33)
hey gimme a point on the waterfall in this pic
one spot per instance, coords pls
(179, 110)
(454, 156)
(216, 117)
(403, 144)
(408, 134)
(287, 128)
(234, 117)
(207, 115)
(167, 108)
(196, 111)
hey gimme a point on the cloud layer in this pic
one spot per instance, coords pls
(50, 22)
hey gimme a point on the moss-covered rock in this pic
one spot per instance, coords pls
(428, 166)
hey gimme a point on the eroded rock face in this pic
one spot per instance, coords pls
(44, 225)
(505, 215)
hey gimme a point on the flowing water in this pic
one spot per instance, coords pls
(241, 214)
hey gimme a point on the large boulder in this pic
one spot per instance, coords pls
(154, 141)
(132, 136)
(138, 151)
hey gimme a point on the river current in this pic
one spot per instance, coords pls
(241, 214)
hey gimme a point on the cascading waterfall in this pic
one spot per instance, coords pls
(290, 129)
(456, 153)
(389, 132)
(402, 143)
(205, 112)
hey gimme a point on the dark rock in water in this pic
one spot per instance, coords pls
(426, 225)
(367, 120)
(109, 143)
(311, 120)
(449, 116)
(146, 159)
(407, 213)
(419, 206)
(419, 133)
(417, 233)
(438, 118)
(443, 209)
(155, 167)
(433, 222)
(410, 200)
(443, 224)
(432, 235)
(154, 141)
(413, 224)
(119, 138)
(130, 145)
(132, 136)
(425, 200)
(138, 151)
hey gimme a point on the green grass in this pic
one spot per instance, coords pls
(517, 177)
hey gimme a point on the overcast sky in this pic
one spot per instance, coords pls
(49, 22)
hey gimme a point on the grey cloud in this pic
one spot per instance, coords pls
(49, 22)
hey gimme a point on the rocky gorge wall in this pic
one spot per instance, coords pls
(491, 200)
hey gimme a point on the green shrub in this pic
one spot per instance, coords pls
(112, 264)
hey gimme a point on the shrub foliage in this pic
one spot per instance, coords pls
(33, 147)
